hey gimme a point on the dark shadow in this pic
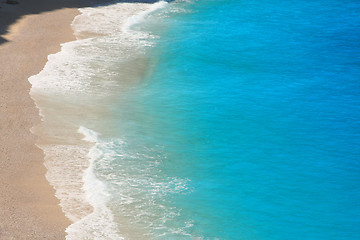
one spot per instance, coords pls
(10, 13)
(2, 40)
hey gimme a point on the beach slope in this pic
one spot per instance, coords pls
(29, 33)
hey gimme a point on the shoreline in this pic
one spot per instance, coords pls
(28, 206)
(66, 90)
(34, 202)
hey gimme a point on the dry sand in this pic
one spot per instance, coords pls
(30, 31)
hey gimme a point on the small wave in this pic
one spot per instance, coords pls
(140, 190)
(128, 193)
(100, 223)
(136, 19)
(90, 65)
(89, 135)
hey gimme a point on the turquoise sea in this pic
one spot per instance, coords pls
(232, 119)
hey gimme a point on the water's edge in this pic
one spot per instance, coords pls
(64, 96)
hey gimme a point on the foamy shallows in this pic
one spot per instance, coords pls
(101, 189)
(206, 120)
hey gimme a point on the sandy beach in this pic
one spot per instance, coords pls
(30, 31)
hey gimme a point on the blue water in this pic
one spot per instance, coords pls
(246, 123)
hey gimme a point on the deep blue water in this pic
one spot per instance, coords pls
(253, 106)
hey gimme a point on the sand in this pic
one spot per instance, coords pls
(30, 31)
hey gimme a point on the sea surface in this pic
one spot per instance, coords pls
(206, 119)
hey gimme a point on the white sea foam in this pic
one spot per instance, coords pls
(66, 165)
(99, 224)
(89, 135)
(73, 82)
(138, 18)
(81, 68)
(71, 92)
(137, 188)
